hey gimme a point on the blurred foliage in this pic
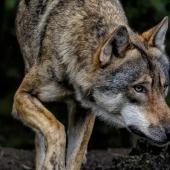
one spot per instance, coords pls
(141, 14)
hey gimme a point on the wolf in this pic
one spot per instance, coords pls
(84, 53)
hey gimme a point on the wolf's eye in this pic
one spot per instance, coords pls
(140, 89)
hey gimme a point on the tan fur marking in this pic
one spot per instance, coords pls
(35, 115)
(157, 110)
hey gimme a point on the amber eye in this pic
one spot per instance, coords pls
(140, 89)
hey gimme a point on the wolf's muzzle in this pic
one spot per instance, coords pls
(156, 134)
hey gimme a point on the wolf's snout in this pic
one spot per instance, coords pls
(155, 134)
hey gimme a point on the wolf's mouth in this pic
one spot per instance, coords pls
(136, 131)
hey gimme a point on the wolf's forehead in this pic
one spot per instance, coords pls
(160, 74)
(152, 55)
(157, 61)
(159, 58)
(130, 67)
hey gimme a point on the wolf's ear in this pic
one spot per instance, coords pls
(114, 46)
(156, 35)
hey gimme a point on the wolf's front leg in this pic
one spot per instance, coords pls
(79, 131)
(50, 132)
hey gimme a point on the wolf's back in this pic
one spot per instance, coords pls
(30, 24)
(33, 15)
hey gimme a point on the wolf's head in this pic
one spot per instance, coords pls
(134, 80)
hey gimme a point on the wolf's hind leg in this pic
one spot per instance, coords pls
(31, 112)
(79, 131)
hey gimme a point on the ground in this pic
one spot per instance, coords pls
(143, 156)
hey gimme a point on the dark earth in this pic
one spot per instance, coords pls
(144, 156)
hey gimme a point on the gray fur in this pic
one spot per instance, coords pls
(84, 51)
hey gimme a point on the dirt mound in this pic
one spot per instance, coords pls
(13, 159)
(142, 157)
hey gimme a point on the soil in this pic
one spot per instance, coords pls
(144, 156)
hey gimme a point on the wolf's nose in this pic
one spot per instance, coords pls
(167, 131)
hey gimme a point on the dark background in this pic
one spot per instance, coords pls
(142, 15)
